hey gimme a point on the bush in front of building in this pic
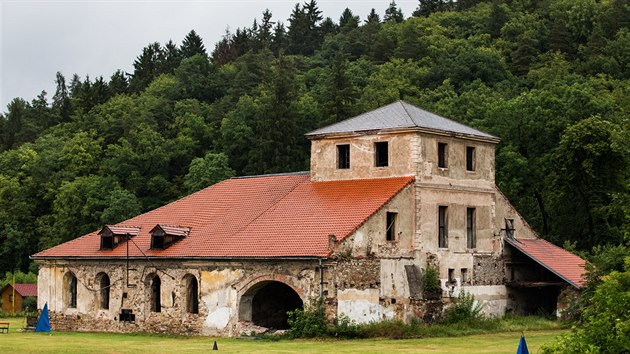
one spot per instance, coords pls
(464, 309)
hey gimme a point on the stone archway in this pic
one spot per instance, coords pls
(266, 304)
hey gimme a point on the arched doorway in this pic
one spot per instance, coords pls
(266, 304)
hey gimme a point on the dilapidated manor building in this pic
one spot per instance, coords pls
(392, 195)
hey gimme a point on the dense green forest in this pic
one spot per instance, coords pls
(550, 78)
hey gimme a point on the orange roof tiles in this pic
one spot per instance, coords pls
(559, 261)
(258, 217)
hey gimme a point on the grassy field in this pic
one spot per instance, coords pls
(93, 343)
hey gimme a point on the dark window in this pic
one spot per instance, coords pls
(443, 155)
(192, 295)
(442, 226)
(72, 291)
(451, 275)
(104, 291)
(157, 242)
(470, 158)
(156, 287)
(107, 242)
(391, 226)
(381, 157)
(471, 234)
(464, 275)
(343, 156)
(509, 228)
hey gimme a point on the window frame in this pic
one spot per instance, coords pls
(343, 157)
(442, 226)
(192, 294)
(471, 159)
(442, 155)
(104, 291)
(156, 293)
(379, 146)
(471, 228)
(73, 288)
(391, 219)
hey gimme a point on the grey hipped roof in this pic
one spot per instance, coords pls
(399, 115)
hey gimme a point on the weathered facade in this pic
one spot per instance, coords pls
(391, 194)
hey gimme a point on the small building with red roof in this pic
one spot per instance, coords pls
(391, 194)
(13, 296)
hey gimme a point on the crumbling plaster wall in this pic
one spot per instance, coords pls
(401, 148)
(369, 276)
(221, 286)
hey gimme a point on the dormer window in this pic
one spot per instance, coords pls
(112, 236)
(163, 236)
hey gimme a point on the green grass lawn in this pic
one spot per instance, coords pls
(93, 343)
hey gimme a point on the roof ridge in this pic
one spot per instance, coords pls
(274, 174)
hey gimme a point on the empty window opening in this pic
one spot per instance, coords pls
(470, 158)
(192, 294)
(381, 154)
(509, 228)
(104, 286)
(442, 155)
(266, 304)
(464, 275)
(471, 233)
(343, 156)
(112, 236)
(71, 290)
(127, 315)
(451, 275)
(156, 288)
(391, 226)
(442, 226)
(163, 236)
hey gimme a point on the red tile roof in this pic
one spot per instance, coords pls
(563, 263)
(121, 230)
(265, 216)
(26, 289)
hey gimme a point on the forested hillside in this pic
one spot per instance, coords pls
(550, 78)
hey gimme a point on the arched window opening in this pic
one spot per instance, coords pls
(71, 290)
(192, 294)
(156, 287)
(104, 287)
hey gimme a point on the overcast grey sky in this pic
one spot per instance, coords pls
(95, 38)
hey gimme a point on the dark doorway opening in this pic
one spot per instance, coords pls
(270, 302)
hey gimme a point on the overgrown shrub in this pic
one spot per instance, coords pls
(605, 326)
(344, 327)
(431, 282)
(308, 323)
(464, 309)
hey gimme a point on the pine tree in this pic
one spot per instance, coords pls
(279, 40)
(118, 83)
(147, 67)
(427, 7)
(373, 17)
(172, 57)
(393, 13)
(61, 100)
(348, 21)
(192, 45)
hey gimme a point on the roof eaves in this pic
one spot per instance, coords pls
(515, 243)
(355, 133)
